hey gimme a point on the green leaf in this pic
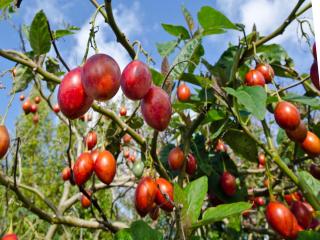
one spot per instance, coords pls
(308, 235)
(165, 49)
(23, 77)
(65, 32)
(241, 144)
(313, 183)
(180, 197)
(139, 230)
(176, 30)
(254, 99)
(310, 101)
(39, 34)
(181, 62)
(157, 77)
(214, 115)
(195, 59)
(213, 21)
(220, 212)
(196, 192)
(188, 18)
(136, 122)
(5, 3)
(196, 80)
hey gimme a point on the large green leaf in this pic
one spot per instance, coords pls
(308, 235)
(197, 80)
(22, 78)
(313, 183)
(139, 230)
(311, 101)
(182, 61)
(196, 192)
(39, 34)
(188, 17)
(220, 212)
(157, 77)
(180, 197)
(175, 30)
(241, 144)
(254, 99)
(165, 49)
(213, 21)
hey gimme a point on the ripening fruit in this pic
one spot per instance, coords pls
(302, 214)
(126, 154)
(292, 197)
(254, 78)
(21, 97)
(176, 158)
(132, 158)
(136, 80)
(267, 71)
(4, 141)
(101, 77)
(105, 167)
(155, 212)
(311, 144)
(126, 138)
(72, 98)
(85, 202)
(94, 155)
(164, 188)
(56, 108)
(26, 106)
(314, 75)
(315, 171)
(183, 92)
(298, 134)
(91, 140)
(228, 184)
(259, 201)
(37, 99)
(262, 159)
(9, 236)
(220, 146)
(287, 115)
(156, 108)
(35, 118)
(282, 220)
(266, 182)
(191, 164)
(83, 168)
(123, 111)
(314, 51)
(33, 108)
(138, 168)
(66, 174)
(145, 195)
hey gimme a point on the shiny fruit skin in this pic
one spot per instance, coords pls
(183, 92)
(56, 108)
(314, 75)
(287, 115)
(311, 144)
(292, 197)
(156, 108)
(315, 171)
(126, 154)
(66, 174)
(267, 71)
(37, 99)
(176, 158)
(72, 98)
(85, 202)
(254, 78)
(123, 111)
(91, 140)
(9, 236)
(83, 168)
(262, 159)
(105, 167)
(259, 201)
(21, 97)
(282, 220)
(33, 108)
(26, 106)
(302, 214)
(220, 146)
(164, 187)
(138, 168)
(299, 134)
(126, 138)
(145, 195)
(228, 184)
(101, 77)
(4, 141)
(191, 164)
(94, 155)
(136, 80)
(314, 51)
(155, 212)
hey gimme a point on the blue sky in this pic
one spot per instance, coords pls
(141, 20)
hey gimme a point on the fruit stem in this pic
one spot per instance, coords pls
(277, 90)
